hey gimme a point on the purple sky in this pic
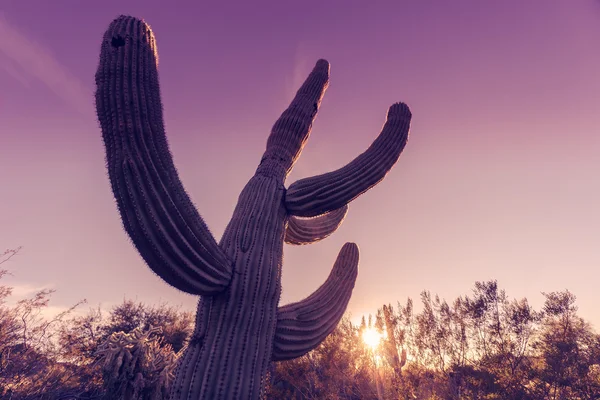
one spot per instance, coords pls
(500, 178)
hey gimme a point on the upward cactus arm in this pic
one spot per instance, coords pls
(292, 129)
(156, 211)
(301, 231)
(316, 195)
(303, 325)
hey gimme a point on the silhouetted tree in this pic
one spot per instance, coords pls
(568, 352)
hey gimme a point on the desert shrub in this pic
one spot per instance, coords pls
(480, 346)
(136, 366)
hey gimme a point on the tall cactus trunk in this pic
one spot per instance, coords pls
(231, 346)
(239, 327)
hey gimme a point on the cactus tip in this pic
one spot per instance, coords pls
(322, 64)
(350, 246)
(399, 110)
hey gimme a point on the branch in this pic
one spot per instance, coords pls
(301, 231)
(8, 254)
(302, 326)
(291, 131)
(156, 211)
(319, 194)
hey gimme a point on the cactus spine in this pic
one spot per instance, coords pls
(239, 327)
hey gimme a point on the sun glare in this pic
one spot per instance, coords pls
(372, 338)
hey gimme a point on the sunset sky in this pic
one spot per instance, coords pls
(500, 178)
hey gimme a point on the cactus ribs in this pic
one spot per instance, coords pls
(240, 327)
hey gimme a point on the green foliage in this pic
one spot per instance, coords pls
(135, 366)
(480, 346)
(78, 357)
(30, 367)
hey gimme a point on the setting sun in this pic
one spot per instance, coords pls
(372, 338)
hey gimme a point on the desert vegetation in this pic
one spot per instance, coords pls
(483, 345)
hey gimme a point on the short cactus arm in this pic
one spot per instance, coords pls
(316, 195)
(301, 231)
(303, 325)
(157, 213)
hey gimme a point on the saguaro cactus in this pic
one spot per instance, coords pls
(239, 327)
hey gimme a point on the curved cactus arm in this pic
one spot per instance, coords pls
(157, 213)
(301, 231)
(303, 325)
(319, 194)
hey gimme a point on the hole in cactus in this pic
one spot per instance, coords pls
(117, 41)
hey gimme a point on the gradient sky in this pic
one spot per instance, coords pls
(500, 178)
